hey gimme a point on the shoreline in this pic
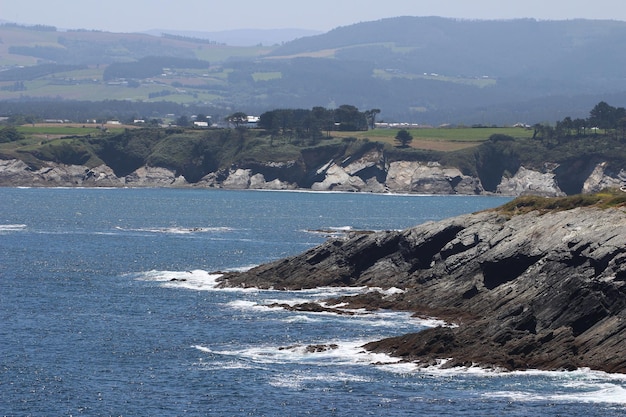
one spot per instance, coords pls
(266, 190)
(398, 177)
(527, 292)
(434, 366)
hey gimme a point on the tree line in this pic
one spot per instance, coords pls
(603, 118)
(313, 123)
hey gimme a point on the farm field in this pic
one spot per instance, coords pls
(440, 139)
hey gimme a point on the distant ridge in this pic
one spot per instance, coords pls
(425, 70)
(243, 37)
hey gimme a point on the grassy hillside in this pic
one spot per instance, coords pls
(37, 64)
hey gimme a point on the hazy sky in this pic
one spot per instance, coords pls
(206, 15)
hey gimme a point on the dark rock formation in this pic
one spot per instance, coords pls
(545, 291)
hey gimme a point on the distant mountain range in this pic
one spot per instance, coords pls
(417, 69)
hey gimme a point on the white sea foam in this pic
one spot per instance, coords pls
(580, 386)
(200, 280)
(330, 292)
(244, 305)
(242, 268)
(329, 353)
(7, 228)
(197, 280)
(585, 393)
(301, 318)
(176, 230)
(298, 380)
(194, 280)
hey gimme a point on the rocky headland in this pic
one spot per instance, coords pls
(528, 287)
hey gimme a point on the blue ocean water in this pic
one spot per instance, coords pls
(92, 322)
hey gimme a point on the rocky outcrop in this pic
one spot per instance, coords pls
(16, 173)
(529, 182)
(154, 177)
(365, 172)
(243, 179)
(429, 178)
(545, 291)
(603, 177)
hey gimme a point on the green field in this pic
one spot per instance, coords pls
(440, 139)
(66, 130)
(474, 81)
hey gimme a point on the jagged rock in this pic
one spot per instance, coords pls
(373, 158)
(526, 181)
(337, 179)
(600, 179)
(429, 178)
(101, 176)
(257, 182)
(373, 186)
(238, 179)
(154, 177)
(14, 172)
(536, 290)
(17, 173)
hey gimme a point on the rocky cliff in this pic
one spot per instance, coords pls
(368, 173)
(534, 290)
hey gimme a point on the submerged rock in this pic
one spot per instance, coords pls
(537, 290)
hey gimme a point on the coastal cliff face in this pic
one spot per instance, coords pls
(367, 172)
(544, 291)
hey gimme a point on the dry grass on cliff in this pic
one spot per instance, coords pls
(439, 139)
(605, 199)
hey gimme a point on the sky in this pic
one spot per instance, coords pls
(323, 15)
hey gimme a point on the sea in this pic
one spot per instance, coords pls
(109, 307)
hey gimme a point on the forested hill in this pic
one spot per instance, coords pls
(526, 48)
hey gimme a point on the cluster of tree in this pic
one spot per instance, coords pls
(10, 134)
(312, 123)
(603, 117)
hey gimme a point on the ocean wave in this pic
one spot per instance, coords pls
(579, 386)
(299, 380)
(329, 353)
(7, 228)
(597, 393)
(195, 279)
(301, 318)
(200, 280)
(374, 319)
